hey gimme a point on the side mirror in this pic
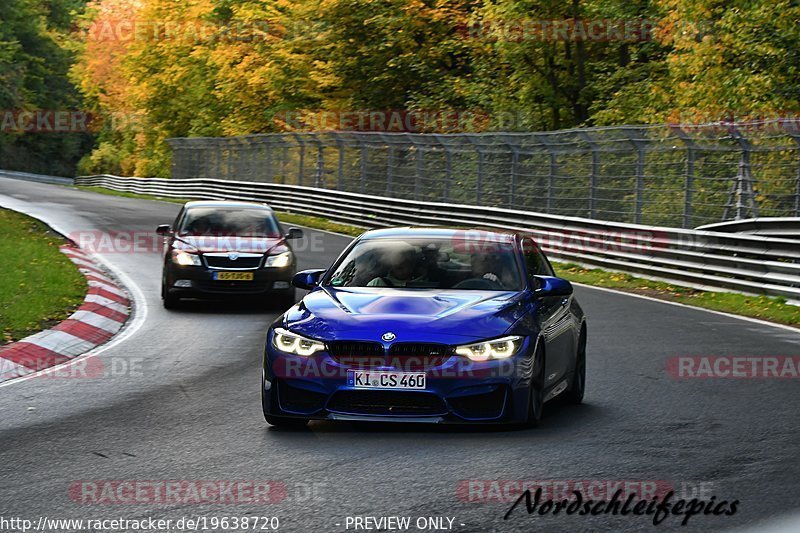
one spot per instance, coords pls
(551, 286)
(294, 233)
(308, 279)
(164, 229)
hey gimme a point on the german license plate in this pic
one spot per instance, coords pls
(385, 380)
(233, 276)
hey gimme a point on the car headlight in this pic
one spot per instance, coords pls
(280, 260)
(289, 342)
(502, 348)
(183, 258)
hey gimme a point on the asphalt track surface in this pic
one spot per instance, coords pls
(190, 410)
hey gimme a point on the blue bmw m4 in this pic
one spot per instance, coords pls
(427, 325)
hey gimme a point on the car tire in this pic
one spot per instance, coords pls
(536, 396)
(169, 300)
(578, 386)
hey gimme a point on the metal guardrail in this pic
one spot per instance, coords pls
(701, 259)
(785, 228)
(41, 178)
(668, 175)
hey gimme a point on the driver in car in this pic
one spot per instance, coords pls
(485, 266)
(200, 226)
(401, 269)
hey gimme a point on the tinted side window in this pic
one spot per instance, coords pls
(178, 219)
(535, 262)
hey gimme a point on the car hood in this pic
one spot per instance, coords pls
(413, 315)
(229, 244)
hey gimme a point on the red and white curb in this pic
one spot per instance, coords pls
(102, 314)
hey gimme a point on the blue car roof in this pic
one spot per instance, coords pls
(226, 203)
(437, 231)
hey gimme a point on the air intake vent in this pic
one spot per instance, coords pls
(410, 356)
(242, 261)
(357, 354)
(387, 403)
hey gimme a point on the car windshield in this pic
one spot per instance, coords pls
(433, 263)
(229, 221)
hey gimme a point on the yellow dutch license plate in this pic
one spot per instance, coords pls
(233, 276)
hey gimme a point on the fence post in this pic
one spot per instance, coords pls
(229, 162)
(418, 170)
(340, 176)
(448, 173)
(688, 186)
(796, 138)
(219, 152)
(186, 162)
(552, 174)
(551, 182)
(209, 159)
(637, 216)
(551, 178)
(320, 170)
(512, 192)
(479, 181)
(389, 169)
(510, 142)
(593, 176)
(479, 178)
(363, 165)
(797, 186)
(284, 159)
(639, 146)
(268, 159)
(742, 194)
(302, 163)
(448, 167)
(251, 153)
(173, 168)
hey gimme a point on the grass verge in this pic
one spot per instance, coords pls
(773, 309)
(39, 285)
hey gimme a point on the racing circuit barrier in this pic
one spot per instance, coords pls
(665, 175)
(708, 260)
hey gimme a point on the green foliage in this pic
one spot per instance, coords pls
(34, 61)
(689, 61)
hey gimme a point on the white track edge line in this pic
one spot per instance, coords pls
(687, 306)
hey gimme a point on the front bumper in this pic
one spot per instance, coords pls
(198, 282)
(457, 392)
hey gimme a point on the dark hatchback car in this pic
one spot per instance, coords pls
(219, 249)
